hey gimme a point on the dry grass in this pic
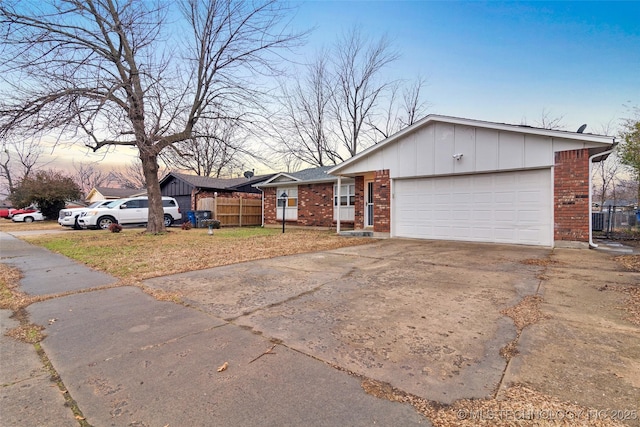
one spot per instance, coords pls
(135, 255)
(630, 262)
(10, 297)
(518, 406)
(28, 333)
(7, 225)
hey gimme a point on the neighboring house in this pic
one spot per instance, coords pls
(191, 190)
(311, 198)
(451, 178)
(107, 193)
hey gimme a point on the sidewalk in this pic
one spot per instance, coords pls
(129, 360)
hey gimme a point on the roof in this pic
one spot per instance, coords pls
(434, 118)
(305, 176)
(215, 183)
(118, 193)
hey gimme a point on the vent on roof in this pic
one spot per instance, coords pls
(582, 128)
(248, 174)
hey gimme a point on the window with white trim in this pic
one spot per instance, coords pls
(290, 203)
(347, 195)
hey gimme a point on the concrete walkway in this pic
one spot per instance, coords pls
(130, 360)
(424, 317)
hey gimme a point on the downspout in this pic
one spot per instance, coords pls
(604, 153)
(339, 207)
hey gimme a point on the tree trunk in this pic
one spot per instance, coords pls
(155, 223)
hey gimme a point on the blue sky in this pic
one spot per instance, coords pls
(503, 61)
(496, 61)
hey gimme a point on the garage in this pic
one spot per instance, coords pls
(506, 207)
(451, 178)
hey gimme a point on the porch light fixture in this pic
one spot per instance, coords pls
(284, 206)
(458, 156)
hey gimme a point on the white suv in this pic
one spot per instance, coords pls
(128, 211)
(69, 217)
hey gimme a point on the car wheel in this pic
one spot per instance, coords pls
(105, 222)
(76, 226)
(168, 220)
(28, 219)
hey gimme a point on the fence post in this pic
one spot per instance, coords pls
(215, 205)
(240, 213)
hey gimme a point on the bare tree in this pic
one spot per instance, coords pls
(548, 120)
(217, 148)
(89, 175)
(358, 63)
(132, 175)
(18, 159)
(304, 126)
(401, 111)
(132, 73)
(606, 172)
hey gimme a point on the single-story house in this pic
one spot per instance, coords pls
(307, 198)
(451, 178)
(107, 193)
(188, 190)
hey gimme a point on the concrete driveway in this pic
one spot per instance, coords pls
(421, 316)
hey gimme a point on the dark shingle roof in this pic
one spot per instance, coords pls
(314, 174)
(218, 183)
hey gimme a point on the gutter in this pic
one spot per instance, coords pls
(604, 153)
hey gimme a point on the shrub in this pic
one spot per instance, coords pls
(186, 225)
(213, 223)
(115, 228)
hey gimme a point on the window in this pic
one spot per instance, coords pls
(292, 197)
(289, 204)
(347, 195)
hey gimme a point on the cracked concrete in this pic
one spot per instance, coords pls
(421, 316)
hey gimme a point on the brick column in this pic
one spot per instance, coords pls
(270, 204)
(382, 202)
(571, 195)
(358, 222)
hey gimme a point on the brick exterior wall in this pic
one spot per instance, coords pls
(359, 203)
(270, 205)
(571, 195)
(315, 206)
(382, 202)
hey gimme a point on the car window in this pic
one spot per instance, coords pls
(130, 204)
(112, 204)
(170, 203)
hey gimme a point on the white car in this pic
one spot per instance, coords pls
(128, 211)
(28, 217)
(69, 217)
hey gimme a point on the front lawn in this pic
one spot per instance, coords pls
(135, 255)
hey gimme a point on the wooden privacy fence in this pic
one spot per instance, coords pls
(233, 212)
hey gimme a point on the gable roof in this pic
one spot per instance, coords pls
(434, 118)
(215, 183)
(115, 193)
(305, 176)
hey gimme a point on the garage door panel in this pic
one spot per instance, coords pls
(508, 207)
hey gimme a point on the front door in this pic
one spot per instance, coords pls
(368, 205)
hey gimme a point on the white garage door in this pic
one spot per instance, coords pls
(506, 207)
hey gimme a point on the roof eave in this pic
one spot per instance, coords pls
(602, 139)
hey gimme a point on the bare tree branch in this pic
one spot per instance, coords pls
(135, 72)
